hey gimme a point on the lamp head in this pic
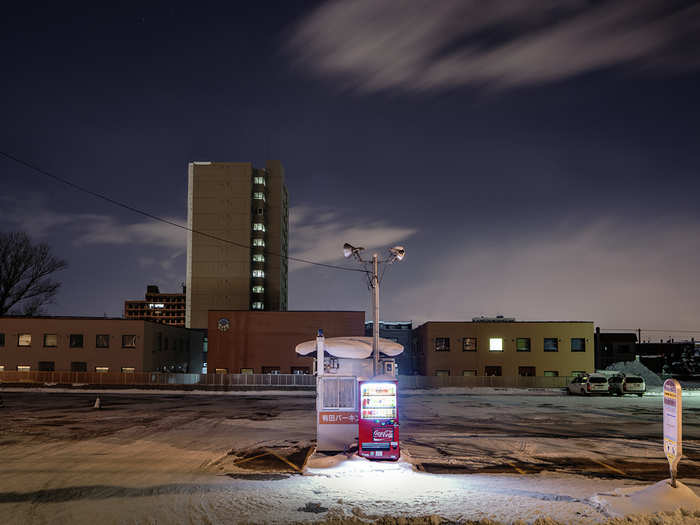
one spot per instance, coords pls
(397, 253)
(349, 250)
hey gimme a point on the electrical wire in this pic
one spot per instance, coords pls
(161, 219)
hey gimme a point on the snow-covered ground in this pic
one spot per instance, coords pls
(168, 459)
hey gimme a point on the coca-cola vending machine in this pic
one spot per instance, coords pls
(379, 420)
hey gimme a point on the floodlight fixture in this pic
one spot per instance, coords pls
(397, 253)
(349, 250)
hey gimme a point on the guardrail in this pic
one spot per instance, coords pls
(149, 379)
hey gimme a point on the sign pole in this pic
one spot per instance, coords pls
(673, 429)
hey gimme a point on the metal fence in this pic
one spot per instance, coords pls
(155, 379)
(149, 379)
(414, 382)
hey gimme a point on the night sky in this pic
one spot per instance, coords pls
(538, 159)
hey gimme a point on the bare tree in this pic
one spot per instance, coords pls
(25, 270)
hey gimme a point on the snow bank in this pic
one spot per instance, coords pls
(635, 368)
(659, 497)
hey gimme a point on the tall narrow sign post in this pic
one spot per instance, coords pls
(673, 432)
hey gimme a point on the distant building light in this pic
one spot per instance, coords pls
(156, 305)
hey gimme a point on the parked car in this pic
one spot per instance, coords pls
(621, 385)
(589, 384)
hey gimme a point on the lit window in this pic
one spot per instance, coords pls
(24, 340)
(258, 195)
(102, 369)
(258, 273)
(469, 372)
(578, 373)
(258, 257)
(23, 368)
(258, 289)
(442, 344)
(246, 371)
(551, 344)
(128, 341)
(551, 373)
(495, 344)
(259, 180)
(257, 305)
(442, 372)
(50, 340)
(222, 370)
(258, 227)
(2, 368)
(578, 344)
(258, 242)
(128, 369)
(522, 344)
(469, 344)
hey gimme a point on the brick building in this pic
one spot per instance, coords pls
(95, 344)
(264, 342)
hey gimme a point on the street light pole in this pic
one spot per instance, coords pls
(396, 253)
(375, 325)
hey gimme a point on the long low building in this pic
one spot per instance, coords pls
(505, 347)
(95, 344)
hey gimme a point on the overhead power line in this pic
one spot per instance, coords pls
(652, 330)
(161, 219)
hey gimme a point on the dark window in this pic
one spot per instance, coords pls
(578, 344)
(634, 380)
(270, 369)
(76, 340)
(78, 366)
(46, 366)
(2, 339)
(300, 370)
(159, 342)
(442, 372)
(469, 344)
(165, 344)
(442, 344)
(493, 371)
(597, 380)
(522, 344)
(102, 341)
(551, 344)
(526, 371)
(50, 340)
(128, 341)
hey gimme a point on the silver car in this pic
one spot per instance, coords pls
(589, 384)
(621, 385)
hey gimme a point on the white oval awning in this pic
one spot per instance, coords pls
(351, 347)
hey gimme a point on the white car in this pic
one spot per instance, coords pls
(621, 385)
(589, 384)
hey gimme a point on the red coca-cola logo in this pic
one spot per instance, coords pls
(383, 434)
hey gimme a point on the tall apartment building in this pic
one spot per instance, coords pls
(164, 308)
(248, 206)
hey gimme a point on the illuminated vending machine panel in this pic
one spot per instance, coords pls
(379, 420)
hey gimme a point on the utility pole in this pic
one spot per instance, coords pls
(396, 253)
(375, 325)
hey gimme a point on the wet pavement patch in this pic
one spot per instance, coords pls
(257, 477)
(313, 507)
(287, 459)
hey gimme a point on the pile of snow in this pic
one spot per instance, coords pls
(635, 368)
(660, 497)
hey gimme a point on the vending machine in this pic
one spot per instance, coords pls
(379, 420)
